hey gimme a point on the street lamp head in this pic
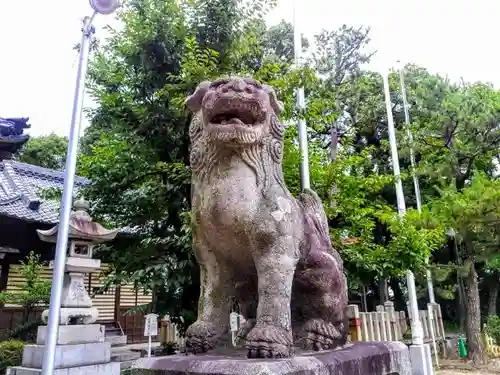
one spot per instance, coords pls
(400, 65)
(105, 6)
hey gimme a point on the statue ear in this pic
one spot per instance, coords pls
(275, 103)
(194, 101)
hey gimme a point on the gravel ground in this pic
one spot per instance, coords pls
(460, 368)
(462, 372)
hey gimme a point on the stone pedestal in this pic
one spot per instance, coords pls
(421, 359)
(80, 349)
(361, 358)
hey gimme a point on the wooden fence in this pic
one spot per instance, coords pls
(169, 333)
(492, 349)
(386, 324)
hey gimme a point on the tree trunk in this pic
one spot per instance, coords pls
(461, 306)
(493, 294)
(364, 300)
(473, 329)
(384, 297)
(399, 298)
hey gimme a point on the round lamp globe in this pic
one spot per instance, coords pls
(105, 6)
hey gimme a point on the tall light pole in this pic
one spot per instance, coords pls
(420, 353)
(430, 286)
(416, 184)
(301, 104)
(99, 7)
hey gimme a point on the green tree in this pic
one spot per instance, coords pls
(48, 151)
(491, 276)
(136, 149)
(33, 292)
(457, 144)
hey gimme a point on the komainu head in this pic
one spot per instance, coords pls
(236, 112)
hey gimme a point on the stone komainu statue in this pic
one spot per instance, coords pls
(253, 240)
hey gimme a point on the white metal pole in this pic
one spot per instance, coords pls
(418, 197)
(150, 344)
(66, 202)
(302, 127)
(416, 325)
(416, 184)
(101, 7)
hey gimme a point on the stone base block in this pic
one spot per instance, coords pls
(117, 340)
(112, 368)
(361, 358)
(75, 334)
(421, 360)
(69, 355)
(74, 315)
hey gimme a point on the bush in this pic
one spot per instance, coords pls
(26, 332)
(169, 348)
(493, 328)
(11, 354)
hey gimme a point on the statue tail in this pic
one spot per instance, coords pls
(313, 208)
(316, 220)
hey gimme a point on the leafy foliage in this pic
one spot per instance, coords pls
(493, 328)
(136, 150)
(48, 151)
(34, 291)
(11, 354)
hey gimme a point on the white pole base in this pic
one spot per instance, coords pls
(421, 360)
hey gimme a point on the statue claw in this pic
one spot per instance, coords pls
(200, 337)
(269, 342)
(319, 335)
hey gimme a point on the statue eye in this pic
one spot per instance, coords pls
(219, 82)
(253, 82)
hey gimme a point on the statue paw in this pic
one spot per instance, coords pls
(267, 341)
(318, 334)
(200, 337)
(244, 331)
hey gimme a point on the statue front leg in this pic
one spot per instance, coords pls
(272, 335)
(213, 307)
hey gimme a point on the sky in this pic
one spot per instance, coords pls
(38, 63)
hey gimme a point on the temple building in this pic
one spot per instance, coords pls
(23, 211)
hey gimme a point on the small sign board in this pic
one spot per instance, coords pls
(151, 325)
(233, 321)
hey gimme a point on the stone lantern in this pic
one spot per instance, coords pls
(83, 235)
(80, 346)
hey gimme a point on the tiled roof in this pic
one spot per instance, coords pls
(21, 190)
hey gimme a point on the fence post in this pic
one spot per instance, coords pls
(405, 322)
(423, 318)
(376, 323)
(391, 327)
(369, 316)
(439, 321)
(354, 322)
(364, 326)
(382, 319)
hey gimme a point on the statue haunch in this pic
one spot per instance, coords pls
(253, 240)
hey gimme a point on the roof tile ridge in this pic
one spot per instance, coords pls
(30, 199)
(9, 187)
(47, 172)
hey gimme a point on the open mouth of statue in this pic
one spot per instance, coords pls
(247, 116)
